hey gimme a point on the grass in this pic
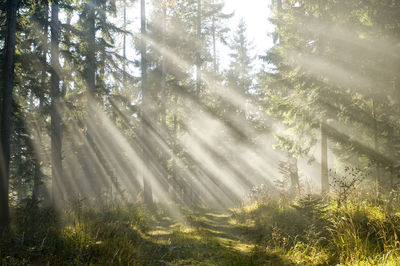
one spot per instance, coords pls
(307, 231)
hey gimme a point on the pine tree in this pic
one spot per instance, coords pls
(7, 111)
(324, 76)
(56, 139)
(147, 188)
(239, 77)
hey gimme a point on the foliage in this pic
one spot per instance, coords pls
(344, 185)
(309, 230)
(312, 232)
(87, 137)
(320, 71)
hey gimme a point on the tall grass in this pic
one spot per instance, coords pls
(363, 230)
(80, 235)
(309, 230)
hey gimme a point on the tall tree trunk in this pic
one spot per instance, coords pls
(324, 158)
(164, 93)
(91, 94)
(376, 147)
(214, 47)
(91, 50)
(279, 9)
(44, 48)
(198, 70)
(67, 65)
(294, 175)
(147, 189)
(198, 56)
(101, 84)
(175, 185)
(124, 49)
(109, 170)
(163, 70)
(213, 28)
(56, 140)
(8, 75)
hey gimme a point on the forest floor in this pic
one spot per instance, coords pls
(307, 231)
(137, 236)
(208, 238)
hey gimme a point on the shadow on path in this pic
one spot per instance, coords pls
(207, 238)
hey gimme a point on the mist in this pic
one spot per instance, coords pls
(204, 132)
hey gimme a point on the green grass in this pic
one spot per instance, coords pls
(309, 231)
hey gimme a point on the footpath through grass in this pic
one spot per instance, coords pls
(208, 238)
(307, 231)
(134, 236)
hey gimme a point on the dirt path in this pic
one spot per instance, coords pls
(207, 238)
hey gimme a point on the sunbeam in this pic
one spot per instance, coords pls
(200, 132)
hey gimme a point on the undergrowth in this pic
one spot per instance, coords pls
(316, 231)
(309, 230)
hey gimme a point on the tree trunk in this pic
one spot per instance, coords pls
(279, 8)
(8, 75)
(102, 54)
(147, 189)
(175, 185)
(324, 158)
(124, 49)
(163, 71)
(198, 56)
(91, 50)
(37, 171)
(91, 94)
(294, 175)
(214, 45)
(56, 140)
(376, 147)
(164, 134)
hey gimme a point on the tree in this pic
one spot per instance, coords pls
(43, 13)
(56, 139)
(324, 159)
(239, 77)
(7, 110)
(199, 48)
(324, 76)
(218, 28)
(147, 189)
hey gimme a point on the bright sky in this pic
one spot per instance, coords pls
(255, 13)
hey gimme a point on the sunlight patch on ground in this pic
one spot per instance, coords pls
(243, 247)
(222, 215)
(159, 233)
(187, 230)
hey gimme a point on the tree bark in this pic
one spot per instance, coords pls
(91, 94)
(376, 146)
(163, 70)
(164, 131)
(294, 175)
(147, 189)
(324, 159)
(124, 49)
(6, 111)
(44, 48)
(56, 140)
(175, 183)
(214, 45)
(101, 83)
(91, 50)
(198, 56)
